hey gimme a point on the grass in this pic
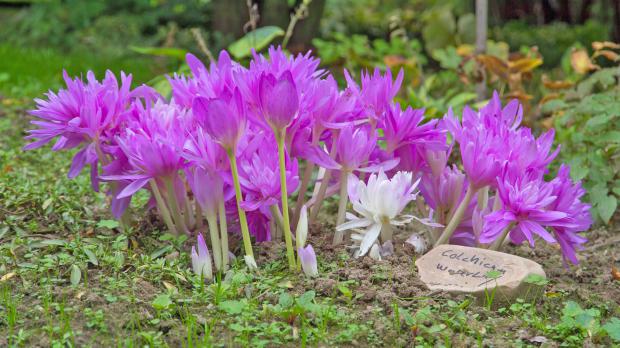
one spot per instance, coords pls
(28, 72)
(70, 277)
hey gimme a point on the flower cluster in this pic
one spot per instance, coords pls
(227, 147)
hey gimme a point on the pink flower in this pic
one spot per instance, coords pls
(356, 151)
(527, 206)
(308, 261)
(279, 100)
(578, 214)
(222, 117)
(259, 173)
(376, 93)
(86, 114)
(216, 81)
(152, 145)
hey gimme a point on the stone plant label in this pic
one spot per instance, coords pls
(463, 270)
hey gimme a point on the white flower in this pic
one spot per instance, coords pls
(380, 203)
(250, 262)
(418, 243)
(307, 256)
(201, 260)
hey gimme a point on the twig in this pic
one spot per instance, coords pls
(253, 22)
(202, 44)
(300, 13)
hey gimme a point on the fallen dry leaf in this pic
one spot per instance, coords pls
(524, 65)
(7, 276)
(611, 55)
(465, 50)
(170, 287)
(79, 295)
(598, 45)
(551, 84)
(615, 273)
(494, 65)
(580, 61)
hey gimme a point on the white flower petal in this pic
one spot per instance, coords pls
(375, 252)
(428, 222)
(369, 238)
(418, 243)
(349, 225)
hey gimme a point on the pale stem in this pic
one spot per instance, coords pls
(321, 194)
(324, 184)
(420, 205)
(243, 221)
(342, 206)
(215, 239)
(102, 157)
(305, 181)
(499, 241)
(272, 228)
(125, 220)
(386, 232)
(174, 205)
(276, 215)
(303, 187)
(483, 198)
(224, 235)
(189, 217)
(299, 245)
(161, 206)
(198, 210)
(497, 202)
(290, 254)
(457, 217)
(373, 128)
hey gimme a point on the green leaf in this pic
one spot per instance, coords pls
(606, 207)
(345, 291)
(612, 327)
(586, 321)
(579, 171)
(162, 302)
(76, 275)
(439, 29)
(461, 99)
(467, 28)
(91, 256)
(159, 252)
(493, 274)
(232, 307)
(572, 309)
(447, 58)
(599, 120)
(610, 137)
(257, 39)
(285, 300)
(57, 242)
(553, 106)
(306, 298)
(536, 279)
(177, 53)
(111, 224)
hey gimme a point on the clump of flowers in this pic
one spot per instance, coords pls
(224, 152)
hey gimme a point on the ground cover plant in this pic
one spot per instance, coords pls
(267, 197)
